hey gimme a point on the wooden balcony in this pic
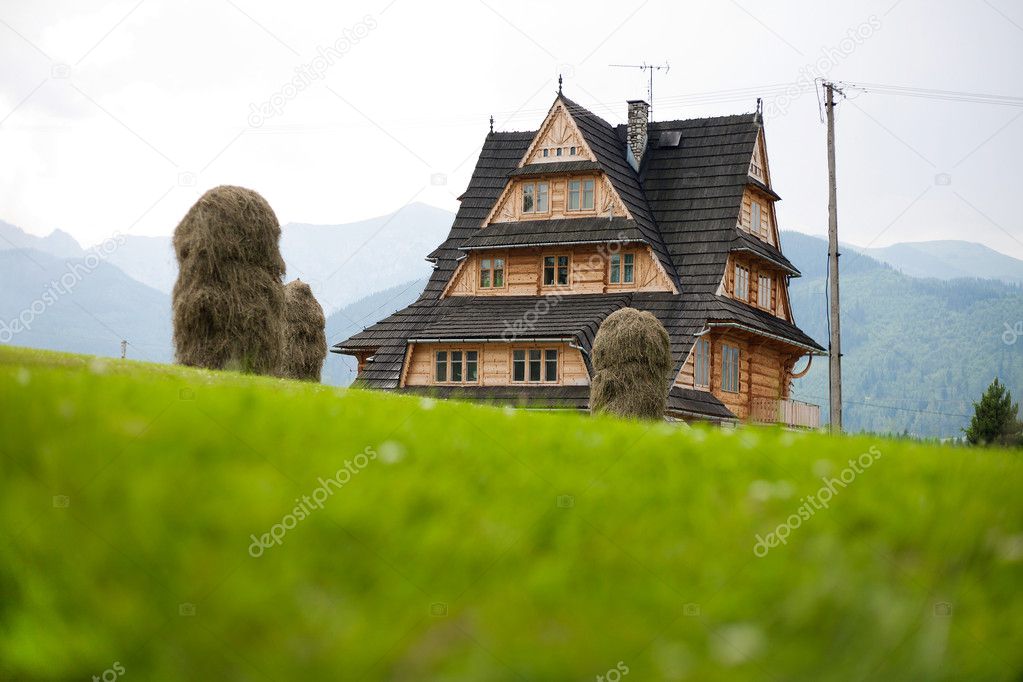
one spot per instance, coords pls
(793, 413)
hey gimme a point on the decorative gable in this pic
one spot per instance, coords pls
(758, 164)
(557, 140)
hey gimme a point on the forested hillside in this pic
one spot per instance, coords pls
(916, 352)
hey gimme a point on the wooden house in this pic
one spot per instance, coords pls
(561, 226)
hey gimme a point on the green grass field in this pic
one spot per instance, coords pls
(471, 543)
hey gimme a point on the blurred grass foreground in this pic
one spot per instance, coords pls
(162, 523)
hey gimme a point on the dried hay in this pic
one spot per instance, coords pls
(305, 338)
(631, 366)
(228, 302)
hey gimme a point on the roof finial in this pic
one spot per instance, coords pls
(760, 106)
(559, 83)
(491, 123)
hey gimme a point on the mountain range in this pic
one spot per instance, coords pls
(925, 325)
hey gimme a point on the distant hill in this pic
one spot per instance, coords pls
(948, 259)
(58, 243)
(342, 263)
(87, 313)
(340, 370)
(916, 352)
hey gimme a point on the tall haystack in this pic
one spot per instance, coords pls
(305, 338)
(631, 366)
(228, 301)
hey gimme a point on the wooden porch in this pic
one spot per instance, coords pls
(793, 413)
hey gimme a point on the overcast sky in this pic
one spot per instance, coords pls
(117, 115)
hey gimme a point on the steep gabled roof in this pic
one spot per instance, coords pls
(695, 191)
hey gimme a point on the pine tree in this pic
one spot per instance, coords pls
(995, 419)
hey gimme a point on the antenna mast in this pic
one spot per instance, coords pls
(650, 68)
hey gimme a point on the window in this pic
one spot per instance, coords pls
(623, 268)
(571, 151)
(491, 273)
(519, 365)
(741, 283)
(555, 271)
(729, 368)
(456, 366)
(764, 291)
(559, 151)
(534, 197)
(441, 371)
(550, 364)
(546, 152)
(701, 363)
(754, 219)
(580, 195)
(536, 365)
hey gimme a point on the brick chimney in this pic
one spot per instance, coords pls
(639, 114)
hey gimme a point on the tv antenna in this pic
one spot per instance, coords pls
(649, 68)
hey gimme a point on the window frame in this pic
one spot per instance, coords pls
(581, 194)
(731, 369)
(556, 270)
(537, 189)
(543, 357)
(739, 268)
(463, 365)
(761, 278)
(491, 269)
(754, 226)
(622, 256)
(701, 363)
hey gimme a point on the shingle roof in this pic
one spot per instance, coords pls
(685, 202)
(557, 231)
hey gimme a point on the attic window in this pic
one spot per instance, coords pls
(571, 151)
(670, 138)
(559, 150)
(546, 152)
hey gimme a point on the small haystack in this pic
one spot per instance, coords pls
(631, 366)
(305, 338)
(228, 302)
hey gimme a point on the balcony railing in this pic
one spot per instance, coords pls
(788, 412)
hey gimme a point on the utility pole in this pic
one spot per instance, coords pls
(124, 348)
(835, 342)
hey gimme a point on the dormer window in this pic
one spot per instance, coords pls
(741, 283)
(492, 273)
(622, 268)
(555, 271)
(535, 197)
(580, 195)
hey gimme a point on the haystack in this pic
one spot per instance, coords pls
(228, 301)
(631, 366)
(305, 338)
